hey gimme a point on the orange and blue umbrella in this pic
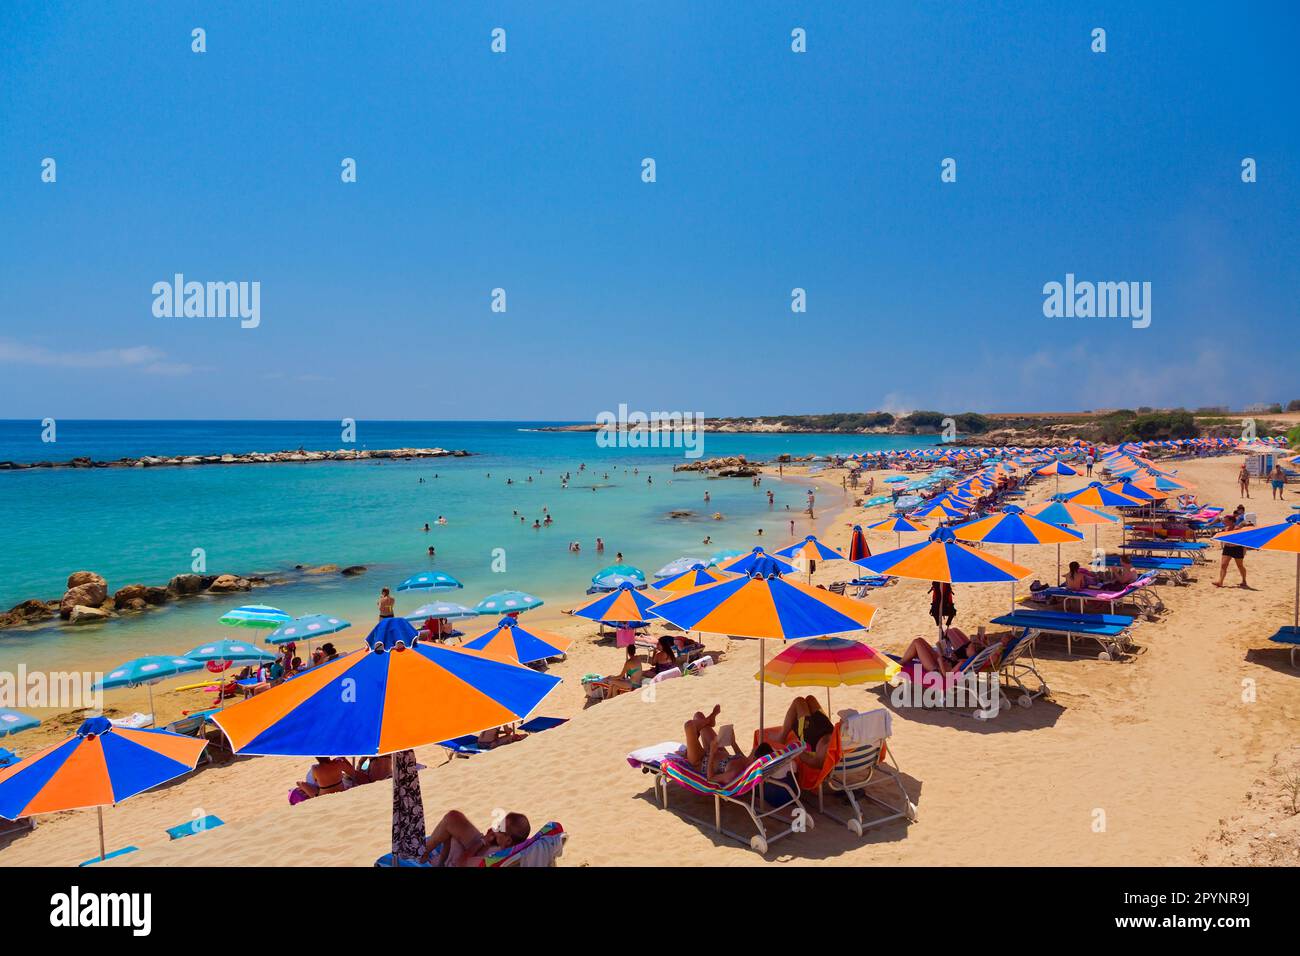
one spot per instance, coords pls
(696, 576)
(395, 696)
(810, 549)
(897, 524)
(509, 640)
(1284, 537)
(746, 563)
(1055, 467)
(943, 558)
(762, 604)
(624, 605)
(98, 766)
(1097, 495)
(1143, 495)
(1013, 526)
(938, 509)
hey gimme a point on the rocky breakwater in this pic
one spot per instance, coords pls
(87, 598)
(733, 466)
(249, 458)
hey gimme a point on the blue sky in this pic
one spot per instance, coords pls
(775, 170)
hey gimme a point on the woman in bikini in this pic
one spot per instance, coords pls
(715, 753)
(630, 677)
(386, 603)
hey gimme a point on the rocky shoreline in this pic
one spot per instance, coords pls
(248, 458)
(87, 599)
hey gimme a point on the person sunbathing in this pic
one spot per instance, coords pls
(1126, 574)
(664, 657)
(714, 752)
(630, 677)
(946, 654)
(327, 775)
(455, 841)
(496, 736)
(806, 720)
(1080, 578)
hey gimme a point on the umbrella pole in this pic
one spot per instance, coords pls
(153, 714)
(1058, 564)
(100, 812)
(1297, 592)
(762, 686)
(1013, 580)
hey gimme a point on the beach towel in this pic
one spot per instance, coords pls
(666, 675)
(133, 721)
(654, 755)
(540, 849)
(863, 729)
(408, 806)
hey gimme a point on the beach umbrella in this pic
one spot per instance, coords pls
(858, 547)
(678, 565)
(828, 662)
(624, 605)
(223, 653)
(443, 609)
(394, 697)
(148, 671)
(509, 640)
(99, 765)
(809, 551)
(255, 615)
(746, 562)
(507, 602)
(1066, 513)
(897, 524)
(1097, 495)
(15, 722)
(726, 554)
(762, 604)
(609, 578)
(696, 576)
(1013, 526)
(1057, 468)
(307, 628)
(943, 558)
(1161, 482)
(430, 581)
(1284, 537)
(1143, 495)
(940, 510)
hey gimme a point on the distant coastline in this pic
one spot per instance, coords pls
(248, 458)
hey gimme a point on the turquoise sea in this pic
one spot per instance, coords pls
(142, 525)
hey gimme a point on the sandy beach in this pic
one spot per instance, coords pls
(1176, 756)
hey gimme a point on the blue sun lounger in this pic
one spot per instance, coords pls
(1173, 570)
(8, 758)
(467, 746)
(1111, 631)
(1196, 549)
(1288, 635)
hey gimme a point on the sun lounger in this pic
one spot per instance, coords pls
(8, 758)
(1193, 549)
(191, 827)
(1008, 661)
(861, 760)
(538, 724)
(543, 848)
(755, 791)
(468, 745)
(1171, 570)
(1288, 635)
(1111, 631)
(9, 828)
(1135, 594)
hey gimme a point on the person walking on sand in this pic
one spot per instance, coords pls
(1277, 481)
(1232, 552)
(1243, 481)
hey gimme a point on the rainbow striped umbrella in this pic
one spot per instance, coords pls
(746, 563)
(696, 576)
(828, 662)
(99, 765)
(1283, 537)
(255, 615)
(624, 605)
(509, 640)
(764, 605)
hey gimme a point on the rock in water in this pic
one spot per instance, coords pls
(78, 578)
(81, 614)
(353, 570)
(92, 594)
(228, 582)
(186, 584)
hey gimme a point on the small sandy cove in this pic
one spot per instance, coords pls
(1183, 749)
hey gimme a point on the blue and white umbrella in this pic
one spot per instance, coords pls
(506, 602)
(307, 628)
(147, 671)
(230, 652)
(443, 609)
(15, 722)
(430, 581)
(679, 565)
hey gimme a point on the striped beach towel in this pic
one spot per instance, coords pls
(678, 770)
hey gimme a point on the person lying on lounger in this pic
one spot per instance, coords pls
(1080, 578)
(457, 842)
(1126, 574)
(496, 736)
(714, 752)
(327, 775)
(946, 654)
(806, 720)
